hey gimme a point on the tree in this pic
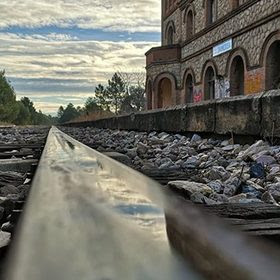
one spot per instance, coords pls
(7, 93)
(8, 106)
(42, 119)
(92, 106)
(112, 96)
(80, 110)
(67, 114)
(134, 101)
(115, 92)
(134, 78)
(137, 95)
(135, 87)
(28, 104)
(19, 112)
(60, 112)
(24, 116)
(101, 98)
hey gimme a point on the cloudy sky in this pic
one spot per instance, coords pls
(57, 51)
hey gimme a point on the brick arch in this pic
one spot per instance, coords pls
(234, 53)
(270, 64)
(168, 25)
(156, 88)
(189, 72)
(236, 68)
(207, 65)
(273, 37)
(187, 9)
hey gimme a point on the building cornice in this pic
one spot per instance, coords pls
(167, 47)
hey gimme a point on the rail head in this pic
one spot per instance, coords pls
(90, 217)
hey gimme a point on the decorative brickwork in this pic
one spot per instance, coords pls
(245, 35)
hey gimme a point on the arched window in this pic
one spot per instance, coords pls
(189, 89)
(190, 24)
(170, 36)
(209, 83)
(211, 11)
(272, 67)
(237, 72)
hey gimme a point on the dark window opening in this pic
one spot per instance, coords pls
(189, 89)
(210, 11)
(170, 36)
(237, 77)
(272, 80)
(190, 24)
(209, 84)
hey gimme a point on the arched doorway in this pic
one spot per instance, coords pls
(165, 93)
(237, 72)
(190, 24)
(170, 36)
(209, 84)
(149, 96)
(189, 89)
(272, 67)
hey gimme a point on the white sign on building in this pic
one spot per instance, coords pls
(222, 48)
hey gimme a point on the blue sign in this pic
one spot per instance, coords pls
(222, 48)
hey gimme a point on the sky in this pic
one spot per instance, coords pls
(57, 51)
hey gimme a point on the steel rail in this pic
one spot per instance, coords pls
(89, 217)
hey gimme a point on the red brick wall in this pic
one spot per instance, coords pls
(170, 7)
(163, 54)
(254, 81)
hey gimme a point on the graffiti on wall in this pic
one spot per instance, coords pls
(197, 95)
(222, 87)
(254, 81)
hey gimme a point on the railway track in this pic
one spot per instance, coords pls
(20, 151)
(90, 217)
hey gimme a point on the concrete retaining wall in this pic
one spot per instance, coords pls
(254, 115)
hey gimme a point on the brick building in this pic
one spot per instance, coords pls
(213, 49)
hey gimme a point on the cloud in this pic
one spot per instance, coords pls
(49, 104)
(111, 15)
(35, 57)
(51, 51)
(51, 65)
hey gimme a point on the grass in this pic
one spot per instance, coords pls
(5, 124)
(94, 116)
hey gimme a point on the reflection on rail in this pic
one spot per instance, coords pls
(89, 217)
